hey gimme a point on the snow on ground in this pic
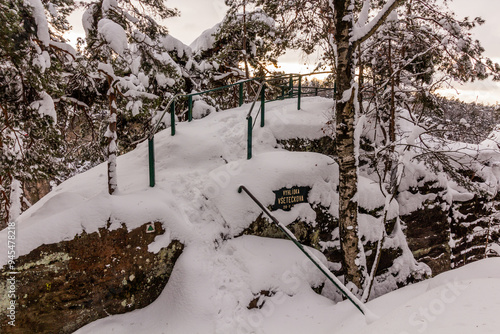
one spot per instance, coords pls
(198, 172)
(206, 158)
(465, 300)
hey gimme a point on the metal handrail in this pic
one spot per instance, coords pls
(155, 128)
(261, 91)
(255, 99)
(274, 78)
(336, 282)
(250, 124)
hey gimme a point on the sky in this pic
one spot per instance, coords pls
(199, 15)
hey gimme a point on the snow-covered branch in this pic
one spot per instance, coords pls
(362, 32)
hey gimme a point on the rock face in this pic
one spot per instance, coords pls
(323, 235)
(440, 232)
(427, 226)
(444, 235)
(61, 287)
(474, 229)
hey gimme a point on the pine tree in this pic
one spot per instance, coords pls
(34, 57)
(247, 37)
(129, 51)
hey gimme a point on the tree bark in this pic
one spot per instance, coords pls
(245, 56)
(346, 153)
(112, 147)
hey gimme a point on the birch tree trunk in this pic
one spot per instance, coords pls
(346, 153)
(112, 147)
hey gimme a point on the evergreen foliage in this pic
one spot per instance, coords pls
(34, 63)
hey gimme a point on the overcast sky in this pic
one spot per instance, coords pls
(199, 15)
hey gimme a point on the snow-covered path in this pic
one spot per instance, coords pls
(186, 174)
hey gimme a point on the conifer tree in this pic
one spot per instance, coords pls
(129, 51)
(247, 39)
(34, 58)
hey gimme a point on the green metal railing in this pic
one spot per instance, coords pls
(261, 93)
(287, 91)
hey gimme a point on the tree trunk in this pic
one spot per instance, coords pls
(112, 148)
(346, 153)
(15, 206)
(245, 56)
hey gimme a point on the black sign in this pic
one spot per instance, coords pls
(287, 197)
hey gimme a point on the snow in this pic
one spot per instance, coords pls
(113, 34)
(172, 44)
(361, 30)
(198, 172)
(164, 81)
(465, 300)
(65, 47)
(45, 106)
(205, 41)
(107, 69)
(41, 21)
(201, 109)
(42, 59)
(493, 140)
(189, 166)
(15, 202)
(88, 19)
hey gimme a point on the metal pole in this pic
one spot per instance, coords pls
(299, 92)
(290, 87)
(240, 102)
(190, 108)
(348, 294)
(172, 118)
(151, 149)
(262, 105)
(249, 138)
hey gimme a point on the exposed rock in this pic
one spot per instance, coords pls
(63, 286)
(323, 235)
(428, 228)
(473, 228)
(324, 145)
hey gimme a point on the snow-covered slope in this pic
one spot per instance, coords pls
(217, 277)
(462, 301)
(198, 162)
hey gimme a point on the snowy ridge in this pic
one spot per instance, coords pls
(188, 166)
(198, 172)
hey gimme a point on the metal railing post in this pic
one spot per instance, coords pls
(315, 91)
(240, 101)
(290, 86)
(190, 108)
(249, 138)
(151, 149)
(262, 106)
(172, 118)
(299, 95)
